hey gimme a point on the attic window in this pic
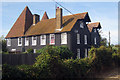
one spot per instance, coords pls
(63, 38)
(81, 24)
(19, 41)
(52, 39)
(34, 40)
(8, 42)
(43, 39)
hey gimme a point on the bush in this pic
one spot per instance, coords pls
(11, 73)
(62, 51)
(30, 51)
(100, 57)
(78, 68)
(116, 59)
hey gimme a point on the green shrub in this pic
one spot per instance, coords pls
(78, 68)
(116, 59)
(11, 73)
(62, 51)
(101, 57)
(30, 51)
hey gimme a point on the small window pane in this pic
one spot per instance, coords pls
(26, 41)
(81, 25)
(64, 38)
(86, 53)
(85, 38)
(95, 40)
(78, 53)
(8, 42)
(19, 41)
(34, 40)
(43, 40)
(78, 38)
(52, 38)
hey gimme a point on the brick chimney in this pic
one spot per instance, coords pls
(36, 18)
(58, 18)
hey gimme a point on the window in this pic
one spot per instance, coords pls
(43, 39)
(85, 37)
(85, 52)
(81, 24)
(19, 41)
(52, 38)
(94, 30)
(8, 42)
(95, 40)
(78, 53)
(63, 38)
(34, 50)
(26, 41)
(78, 38)
(34, 40)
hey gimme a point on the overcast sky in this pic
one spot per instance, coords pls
(104, 12)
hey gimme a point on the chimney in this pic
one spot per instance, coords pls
(58, 18)
(36, 18)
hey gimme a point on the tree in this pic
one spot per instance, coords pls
(3, 43)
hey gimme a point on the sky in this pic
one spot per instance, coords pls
(104, 12)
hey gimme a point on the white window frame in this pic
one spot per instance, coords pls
(78, 53)
(50, 39)
(86, 55)
(34, 42)
(81, 24)
(95, 40)
(95, 30)
(85, 39)
(63, 38)
(43, 41)
(8, 42)
(19, 41)
(78, 38)
(26, 41)
(34, 50)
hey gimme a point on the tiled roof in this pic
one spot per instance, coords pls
(22, 24)
(94, 25)
(49, 25)
(45, 16)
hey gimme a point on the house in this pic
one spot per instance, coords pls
(72, 30)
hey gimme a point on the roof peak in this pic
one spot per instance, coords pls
(45, 16)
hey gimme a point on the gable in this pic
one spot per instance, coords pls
(21, 25)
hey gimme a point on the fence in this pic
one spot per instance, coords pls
(19, 59)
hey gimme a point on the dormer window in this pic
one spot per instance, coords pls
(81, 24)
(34, 40)
(19, 41)
(8, 42)
(52, 39)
